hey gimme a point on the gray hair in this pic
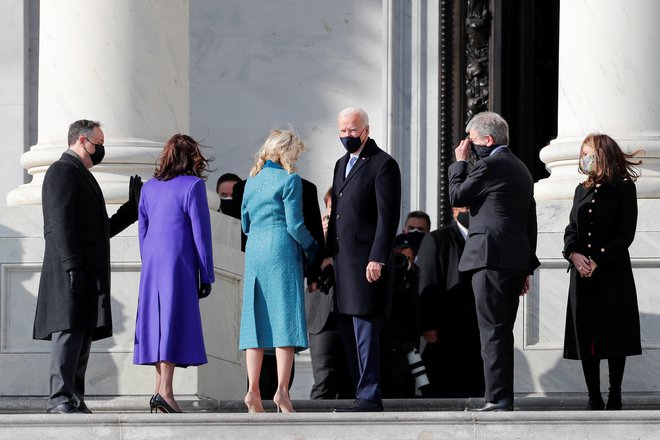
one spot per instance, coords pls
(355, 111)
(490, 124)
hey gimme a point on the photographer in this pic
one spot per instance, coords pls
(399, 334)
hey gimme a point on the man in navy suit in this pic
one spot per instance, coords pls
(500, 250)
(366, 199)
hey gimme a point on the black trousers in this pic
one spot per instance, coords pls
(332, 379)
(497, 295)
(69, 353)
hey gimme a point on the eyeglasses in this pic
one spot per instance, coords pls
(95, 145)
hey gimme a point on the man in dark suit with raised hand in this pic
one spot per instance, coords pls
(366, 199)
(500, 250)
(73, 306)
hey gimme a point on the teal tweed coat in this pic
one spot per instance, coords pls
(273, 312)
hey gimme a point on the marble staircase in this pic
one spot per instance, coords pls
(535, 417)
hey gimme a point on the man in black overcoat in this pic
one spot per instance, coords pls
(500, 251)
(366, 203)
(73, 306)
(447, 315)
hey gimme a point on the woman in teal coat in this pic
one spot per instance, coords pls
(278, 244)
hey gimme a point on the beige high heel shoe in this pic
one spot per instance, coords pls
(283, 402)
(253, 403)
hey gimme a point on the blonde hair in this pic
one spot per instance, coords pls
(281, 146)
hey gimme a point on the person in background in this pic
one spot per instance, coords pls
(177, 267)
(73, 304)
(447, 314)
(366, 202)
(500, 251)
(329, 367)
(417, 221)
(278, 245)
(602, 317)
(399, 334)
(225, 189)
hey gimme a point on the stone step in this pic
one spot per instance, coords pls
(535, 417)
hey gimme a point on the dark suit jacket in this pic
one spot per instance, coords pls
(363, 224)
(77, 232)
(500, 194)
(446, 304)
(311, 217)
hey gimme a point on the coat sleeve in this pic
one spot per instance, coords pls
(622, 237)
(464, 189)
(312, 218)
(532, 232)
(570, 233)
(59, 195)
(388, 204)
(331, 238)
(126, 215)
(293, 212)
(245, 215)
(427, 262)
(143, 221)
(200, 220)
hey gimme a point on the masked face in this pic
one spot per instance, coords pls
(352, 144)
(99, 153)
(587, 163)
(464, 219)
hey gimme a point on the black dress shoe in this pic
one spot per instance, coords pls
(363, 405)
(64, 408)
(613, 402)
(505, 404)
(595, 403)
(82, 407)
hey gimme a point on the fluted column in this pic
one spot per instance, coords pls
(122, 62)
(608, 82)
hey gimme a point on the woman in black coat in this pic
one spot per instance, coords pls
(602, 320)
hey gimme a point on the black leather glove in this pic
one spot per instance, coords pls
(134, 190)
(77, 281)
(204, 290)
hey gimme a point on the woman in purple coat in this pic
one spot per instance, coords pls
(177, 266)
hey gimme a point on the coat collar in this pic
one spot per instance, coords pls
(85, 174)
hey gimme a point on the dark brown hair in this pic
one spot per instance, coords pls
(611, 163)
(181, 156)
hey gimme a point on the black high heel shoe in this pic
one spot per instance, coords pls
(152, 404)
(163, 406)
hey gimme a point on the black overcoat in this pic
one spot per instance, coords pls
(363, 224)
(446, 304)
(602, 317)
(77, 231)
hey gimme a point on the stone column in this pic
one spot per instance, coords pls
(122, 62)
(607, 83)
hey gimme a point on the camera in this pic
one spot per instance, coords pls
(327, 279)
(417, 367)
(400, 261)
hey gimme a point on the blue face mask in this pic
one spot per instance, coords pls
(352, 144)
(587, 163)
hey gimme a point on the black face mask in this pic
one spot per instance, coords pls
(98, 154)
(227, 206)
(352, 144)
(464, 219)
(480, 151)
